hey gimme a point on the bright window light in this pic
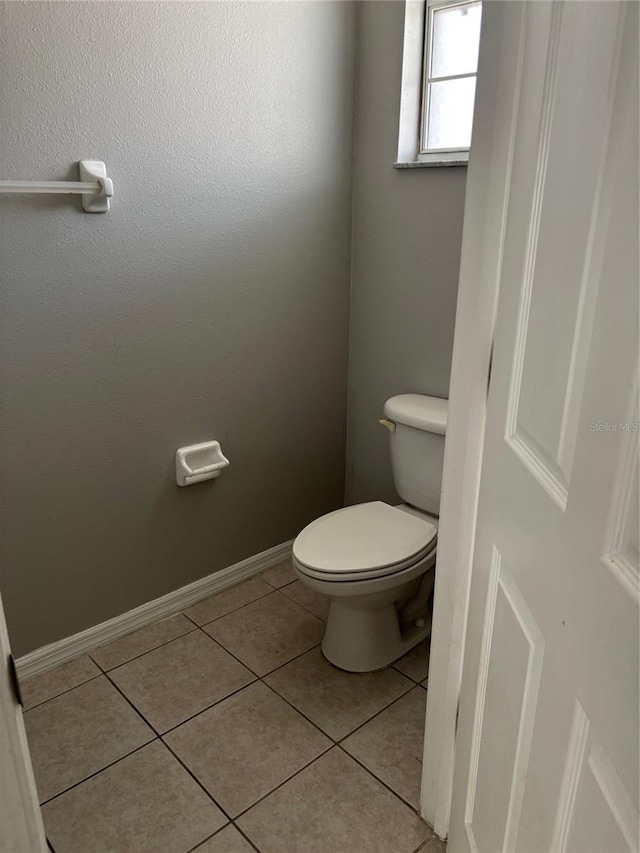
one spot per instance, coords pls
(452, 38)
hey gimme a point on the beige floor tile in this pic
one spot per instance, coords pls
(333, 806)
(42, 687)
(415, 663)
(80, 732)
(137, 643)
(228, 840)
(228, 600)
(308, 598)
(336, 701)
(245, 746)
(181, 678)
(268, 632)
(280, 575)
(391, 745)
(145, 803)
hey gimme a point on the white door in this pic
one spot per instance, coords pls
(21, 829)
(547, 743)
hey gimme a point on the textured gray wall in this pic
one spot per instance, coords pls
(405, 258)
(212, 302)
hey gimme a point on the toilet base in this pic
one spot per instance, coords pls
(372, 621)
(363, 639)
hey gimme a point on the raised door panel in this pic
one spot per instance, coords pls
(508, 683)
(559, 287)
(595, 811)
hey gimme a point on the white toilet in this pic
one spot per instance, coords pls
(375, 561)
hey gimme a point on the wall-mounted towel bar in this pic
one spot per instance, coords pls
(94, 186)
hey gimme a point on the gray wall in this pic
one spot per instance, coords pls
(407, 231)
(212, 302)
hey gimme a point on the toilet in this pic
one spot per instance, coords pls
(375, 561)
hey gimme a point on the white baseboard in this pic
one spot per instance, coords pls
(63, 650)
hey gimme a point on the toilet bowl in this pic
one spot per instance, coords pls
(370, 560)
(376, 562)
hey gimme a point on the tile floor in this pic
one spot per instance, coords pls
(222, 729)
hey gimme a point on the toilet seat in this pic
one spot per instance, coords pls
(364, 541)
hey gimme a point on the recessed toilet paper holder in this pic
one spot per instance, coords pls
(199, 462)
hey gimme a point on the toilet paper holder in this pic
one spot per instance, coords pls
(199, 462)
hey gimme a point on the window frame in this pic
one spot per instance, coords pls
(433, 6)
(418, 31)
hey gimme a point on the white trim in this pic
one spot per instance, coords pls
(21, 826)
(412, 89)
(411, 85)
(453, 156)
(63, 650)
(484, 223)
(430, 164)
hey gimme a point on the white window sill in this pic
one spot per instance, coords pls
(430, 164)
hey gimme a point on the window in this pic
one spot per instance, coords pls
(440, 66)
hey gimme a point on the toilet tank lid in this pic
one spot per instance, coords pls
(419, 411)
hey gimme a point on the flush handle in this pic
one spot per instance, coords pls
(388, 424)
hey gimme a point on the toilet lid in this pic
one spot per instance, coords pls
(362, 538)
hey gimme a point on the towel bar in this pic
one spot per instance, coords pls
(95, 187)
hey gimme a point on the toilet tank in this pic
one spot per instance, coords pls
(417, 448)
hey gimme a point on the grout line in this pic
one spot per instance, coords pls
(195, 778)
(417, 680)
(225, 649)
(377, 714)
(209, 837)
(97, 772)
(300, 604)
(142, 654)
(286, 663)
(333, 742)
(129, 702)
(233, 609)
(381, 781)
(246, 837)
(426, 843)
(260, 598)
(195, 624)
(336, 741)
(239, 689)
(218, 831)
(44, 701)
(311, 761)
(246, 665)
(89, 652)
(233, 692)
(282, 586)
(285, 781)
(269, 592)
(298, 711)
(208, 708)
(406, 675)
(161, 734)
(256, 678)
(157, 737)
(196, 627)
